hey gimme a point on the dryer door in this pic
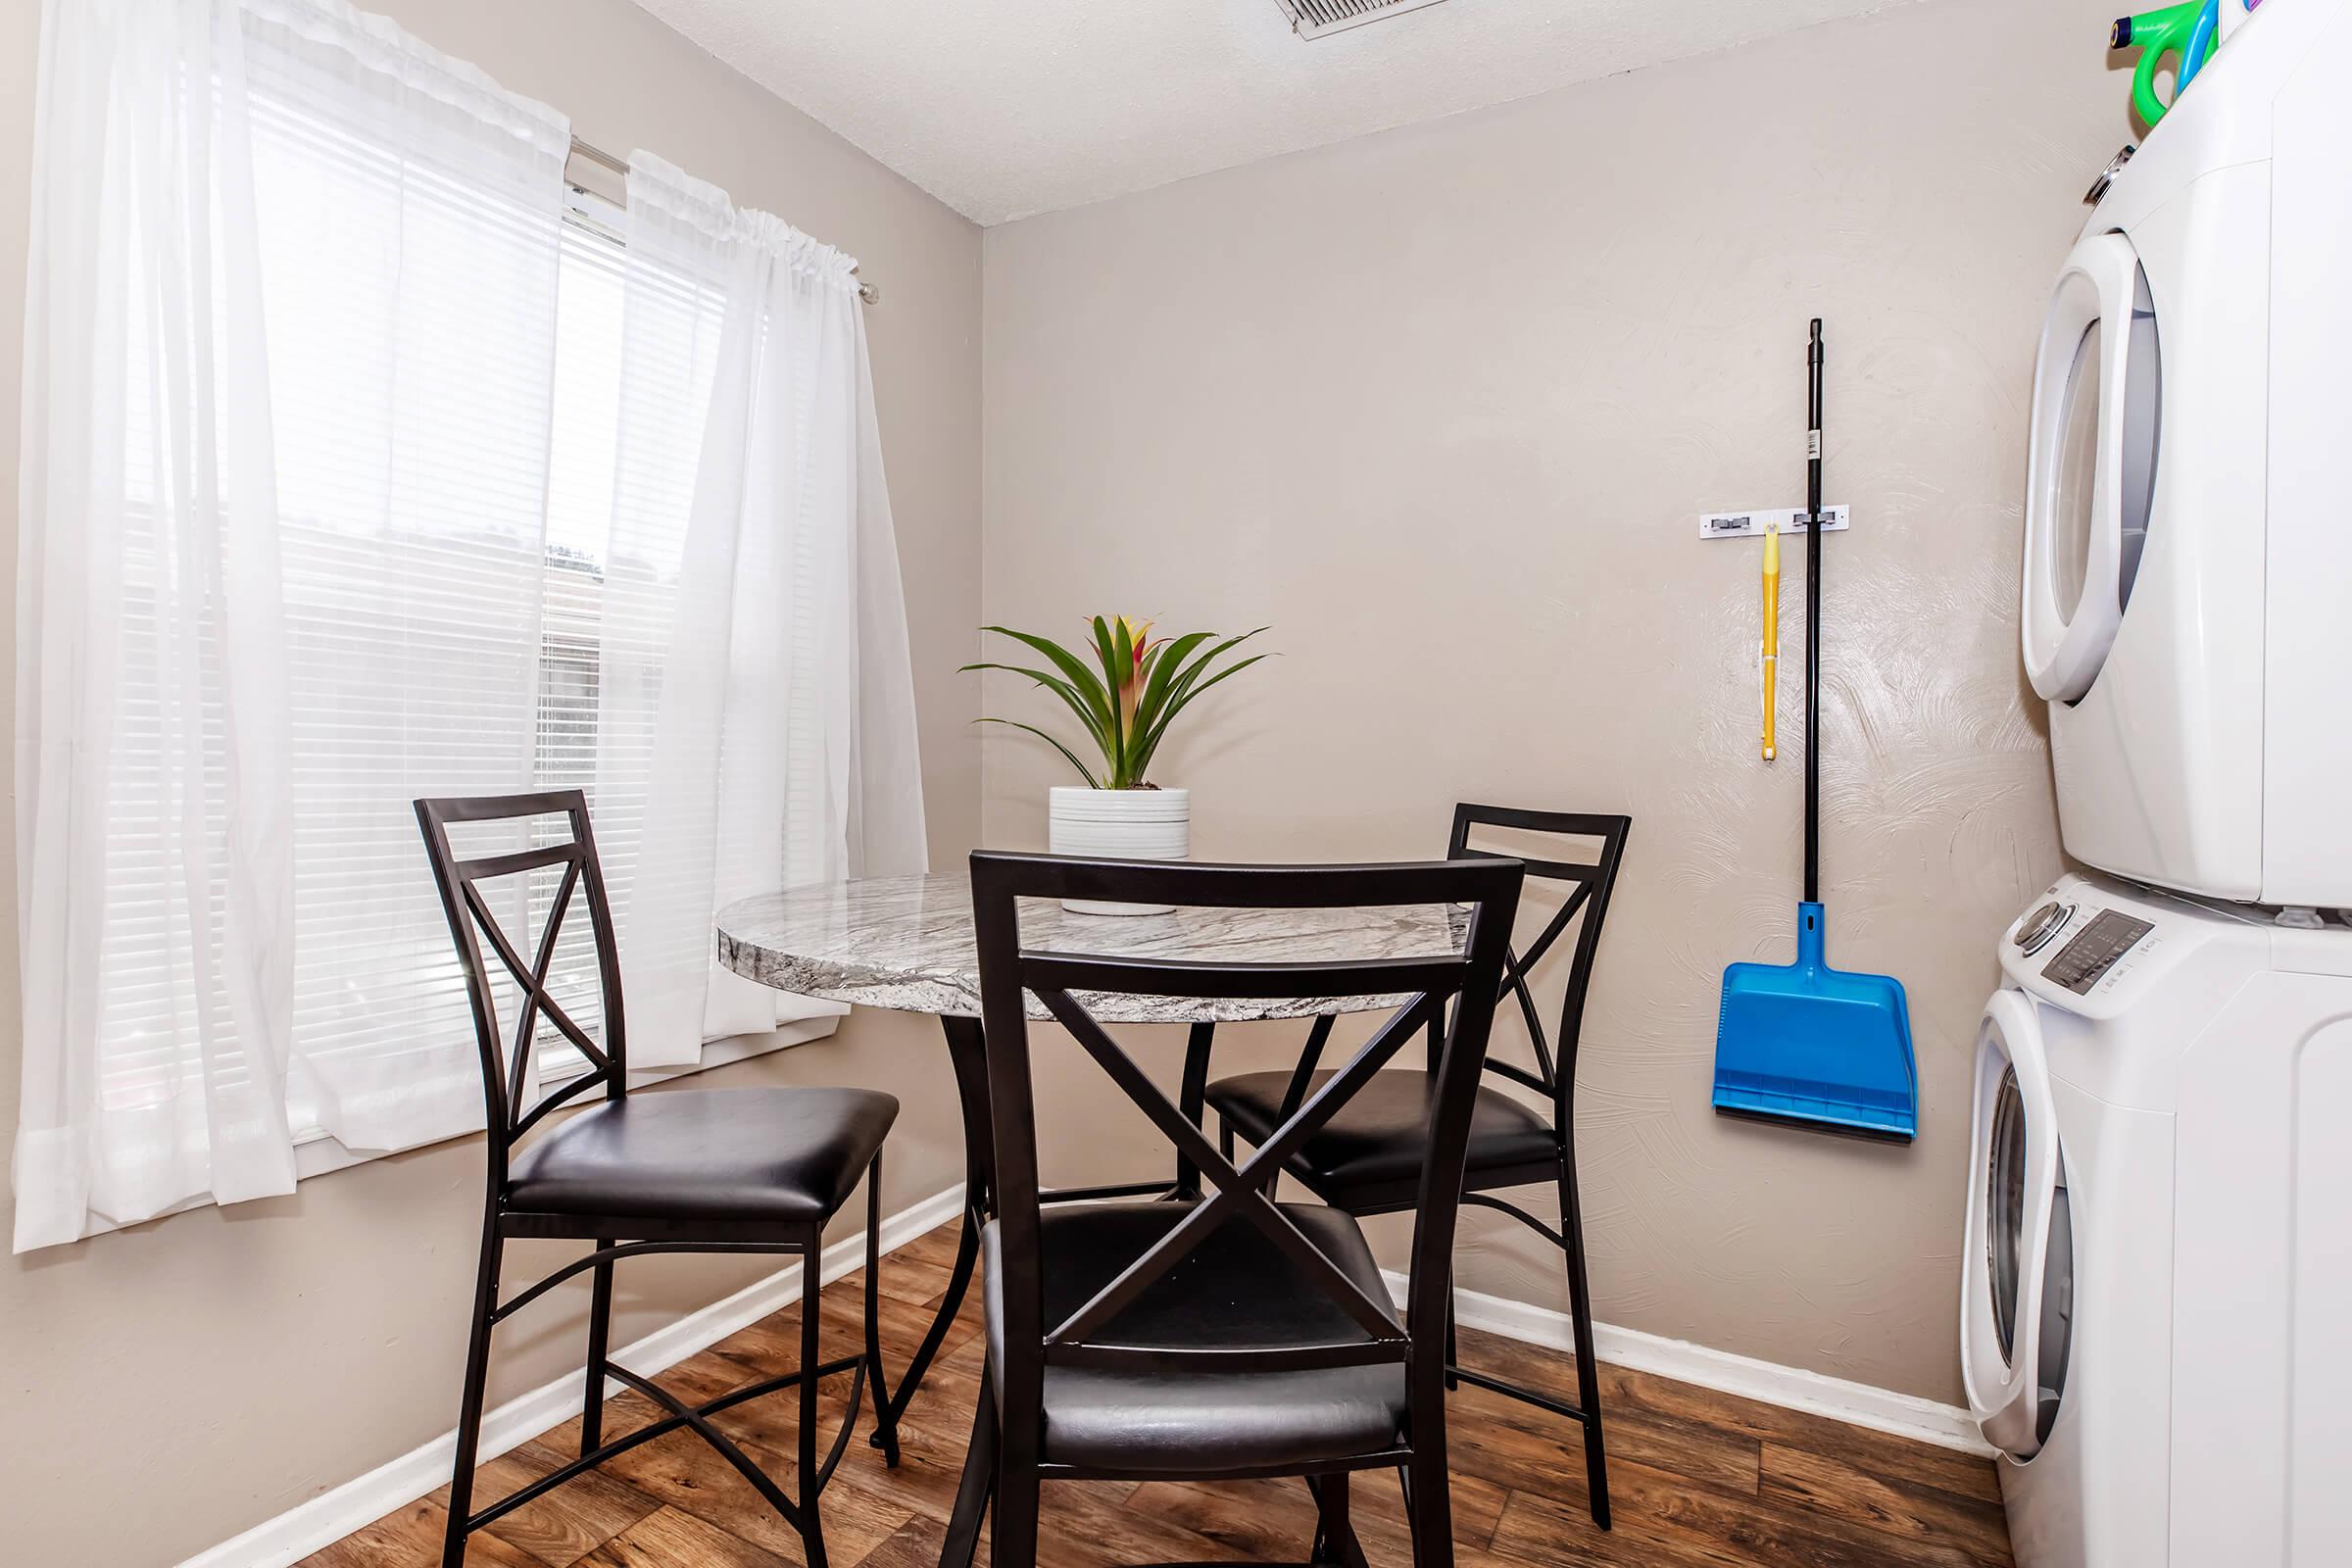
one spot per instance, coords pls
(2090, 463)
(2016, 1305)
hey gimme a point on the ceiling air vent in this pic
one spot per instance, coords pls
(1312, 18)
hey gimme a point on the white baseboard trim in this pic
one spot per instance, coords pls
(1902, 1415)
(333, 1514)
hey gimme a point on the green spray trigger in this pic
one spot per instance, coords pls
(2166, 30)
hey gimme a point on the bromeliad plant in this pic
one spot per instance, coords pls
(1127, 706)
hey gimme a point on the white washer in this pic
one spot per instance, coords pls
(2156, 1309)
(2188, 536)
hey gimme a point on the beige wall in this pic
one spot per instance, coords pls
(170, 1384)
(1441, 406)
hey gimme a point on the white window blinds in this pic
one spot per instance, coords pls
(364, 462)
(292, 293)
(410, 251)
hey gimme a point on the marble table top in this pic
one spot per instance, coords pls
(907, 943)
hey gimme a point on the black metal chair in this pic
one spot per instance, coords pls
(1368, 1158)
(1162, 1340)
(719, 1170)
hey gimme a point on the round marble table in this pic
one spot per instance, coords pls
(908, 944)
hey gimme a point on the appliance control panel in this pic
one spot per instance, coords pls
(2035, 931)
(2094, 949)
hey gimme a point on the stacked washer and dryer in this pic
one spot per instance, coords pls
(2156, 1320)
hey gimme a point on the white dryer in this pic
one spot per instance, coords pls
(2187, 577)
(2156, 1310)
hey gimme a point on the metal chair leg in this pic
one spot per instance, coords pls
(1225, 1146)
(812, 1532)
(967, 1052)
(1191, 1097)
(469, 1400)
(1012, 1540)
(1335, 1533)
(1580, 1316)
(1432, 1499)
(886, 1421)
(978, 1484)
(959, 1279)
(600, 1334)
(1013, 1513)
(1453, 1353)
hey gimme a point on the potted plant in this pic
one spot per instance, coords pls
(1125, 707)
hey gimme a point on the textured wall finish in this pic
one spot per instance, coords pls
(1441, 406)
(1026, 105)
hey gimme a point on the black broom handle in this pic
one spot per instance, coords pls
(1813, 618)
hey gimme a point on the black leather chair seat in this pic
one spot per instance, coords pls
(1235, 1291)
(786, 1155)
(1375, 1141)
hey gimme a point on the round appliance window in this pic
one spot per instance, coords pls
(2005, 1206)
(2143, 398)
(2057, 1315)
(2078, 474)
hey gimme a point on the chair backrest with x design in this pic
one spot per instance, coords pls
(1471, 976)
(1592, 884)
(507, 1069)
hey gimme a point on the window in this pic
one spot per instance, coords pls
(592, 483)
(362, 463)
(444, 413)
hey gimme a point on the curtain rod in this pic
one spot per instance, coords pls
(597, 155)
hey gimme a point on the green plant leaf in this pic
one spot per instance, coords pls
(1170, 674)
(1069, 663)
(1115, 752)
(1189, 676)
(1015, 724)
(1182, 699)
(1226, 673)
(1140, 721)
(1170, 656)
(1060, 688)
(1148, 663)
(1123, 652)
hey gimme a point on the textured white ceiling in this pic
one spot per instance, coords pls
(1005, 108)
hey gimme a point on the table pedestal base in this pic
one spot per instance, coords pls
(967, 1052)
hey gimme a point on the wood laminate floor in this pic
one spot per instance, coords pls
(1697, 1478)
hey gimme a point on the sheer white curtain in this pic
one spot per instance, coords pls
(290, 334)
(757, 711)
(410, 227)
(353, 471)
(147, 459)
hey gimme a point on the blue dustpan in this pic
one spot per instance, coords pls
(1805, 1042)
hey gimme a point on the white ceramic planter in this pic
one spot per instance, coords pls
(1122, 825)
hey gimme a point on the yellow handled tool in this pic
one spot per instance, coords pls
(1772, 629)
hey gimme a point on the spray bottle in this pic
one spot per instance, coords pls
(2186, 32)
